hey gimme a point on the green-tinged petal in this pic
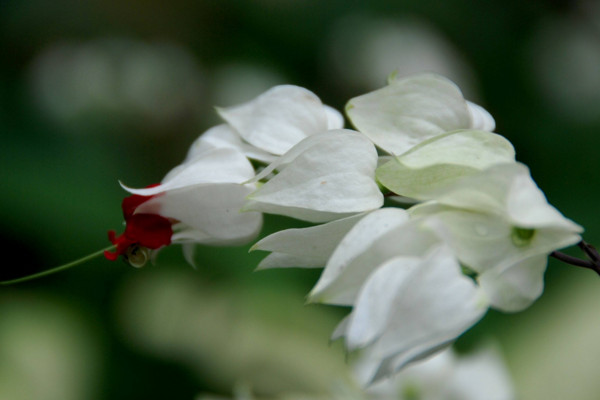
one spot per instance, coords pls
(442, 160)
(372, 241)
(418, 313)
(304, 247)
(330, 178)
(514, 287)
(279, 118)
(409, 111)
(483, 241)
(506, 190)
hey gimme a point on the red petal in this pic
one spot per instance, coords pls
(149, 230)
(132, 202)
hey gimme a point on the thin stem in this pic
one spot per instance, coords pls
(590, 251)
(58, 269)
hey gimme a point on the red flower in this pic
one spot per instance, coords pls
(150, 231)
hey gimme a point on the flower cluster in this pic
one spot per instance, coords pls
(467, 229)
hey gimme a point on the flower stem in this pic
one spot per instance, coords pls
(58, 269)
(590, 251)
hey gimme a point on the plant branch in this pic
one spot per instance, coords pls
(590, 251)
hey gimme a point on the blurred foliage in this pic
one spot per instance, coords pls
(132, 118)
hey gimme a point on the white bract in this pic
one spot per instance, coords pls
(281, 117)
(225, 136)
(447, 376)
(377, 237)
(407, 290)
(204, 195)
(410, 307)
(411, 110)
(500, 225)
(326, 176)
(442, 160)
(304, 247)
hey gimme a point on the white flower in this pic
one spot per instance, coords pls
(407, 290)
(408, 308)
(501, 226)
(326, 176)
(413, 109)
(281, 117)
(203, 197)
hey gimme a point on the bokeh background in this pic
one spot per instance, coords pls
(99, 91)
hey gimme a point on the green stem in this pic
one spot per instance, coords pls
(58, 269)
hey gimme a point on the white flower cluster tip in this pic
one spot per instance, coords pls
(477, 234)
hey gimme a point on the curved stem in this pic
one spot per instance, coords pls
(58, 269)
(590, 251)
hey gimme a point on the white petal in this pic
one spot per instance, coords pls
(212, 209)
(527, 206)
(340, 329)
(409, 111)
(283, 161)
(473, 148)
(335, 119)
(379, 236)
(430, 307)
(424, 378)
(515, 287)
(283, 260)
(278, 119)
(483, 241)
(481, 375)
(332, 178)
(480, 118)
(189, 253)
(504, 189)
(218, 165)
(304, 247)
(478, 376)
(485, 191)
(225, 136)
(216, 137)
(442, 160)
(375, 303)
